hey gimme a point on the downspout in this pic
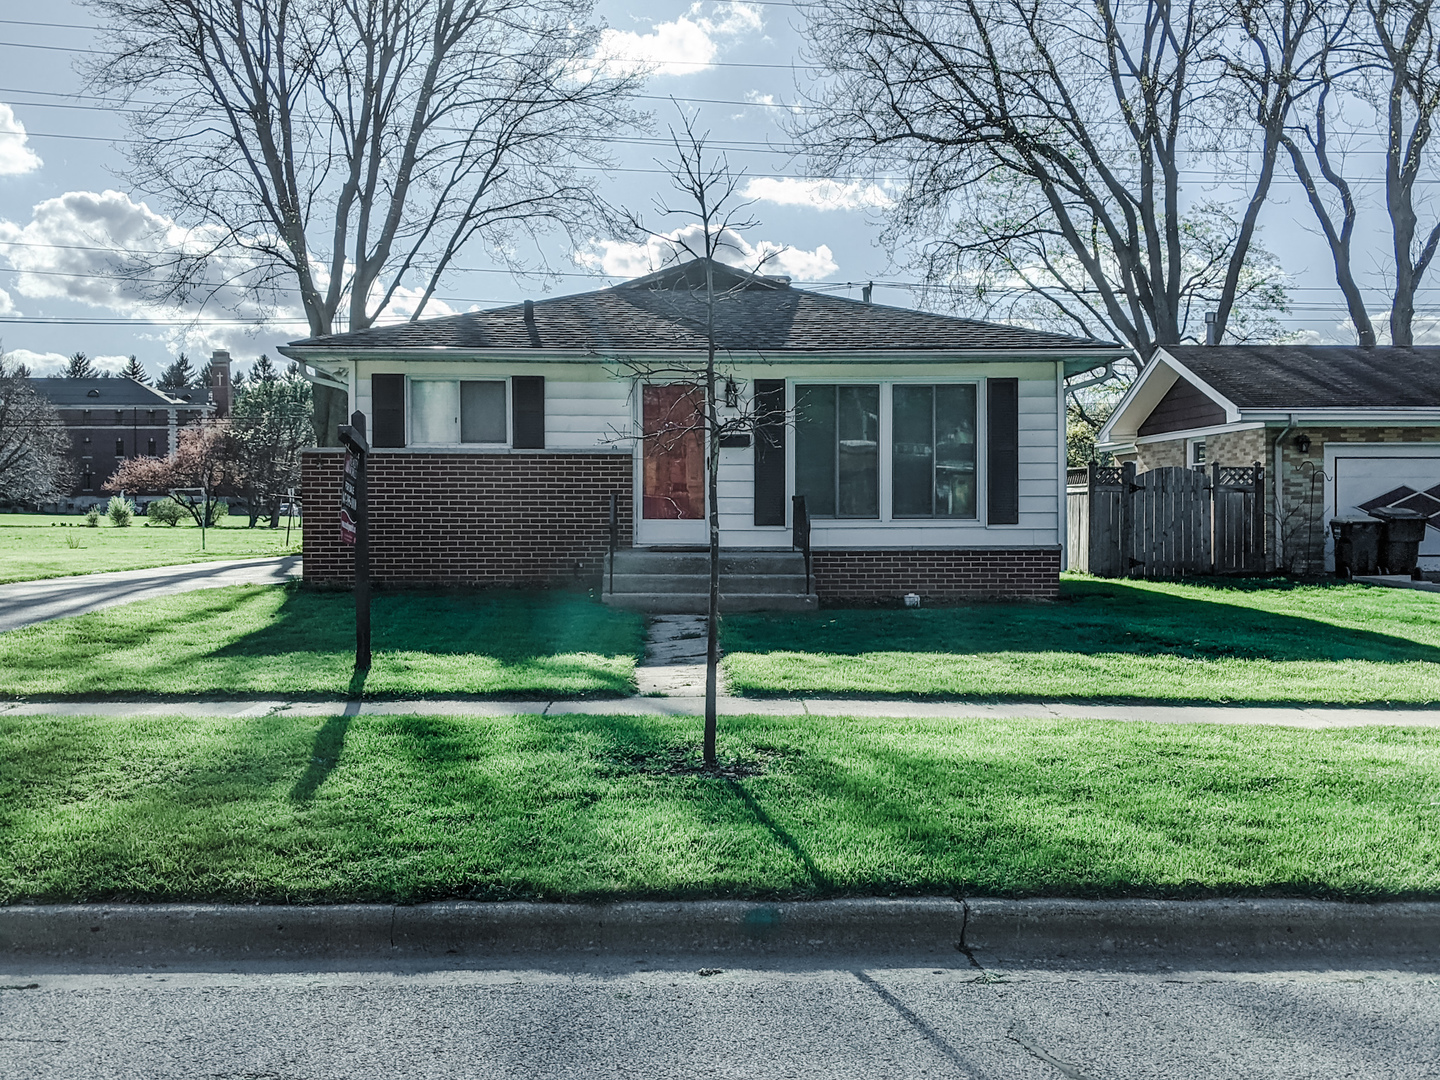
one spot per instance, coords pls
(1277, 482)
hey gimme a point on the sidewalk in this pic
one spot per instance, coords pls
(26, 602)
(1302, 716)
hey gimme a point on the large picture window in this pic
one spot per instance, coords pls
(444, 412)
(837, 450)
(933, 451)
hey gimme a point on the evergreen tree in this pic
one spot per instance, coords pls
(136, 370)
(264, 370)
(80, 367)
(178, 376)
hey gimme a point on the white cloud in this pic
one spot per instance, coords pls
(47, 363)
(817, 194)
(16, 157)
(623, 258)
(7, 306)
(682, 47)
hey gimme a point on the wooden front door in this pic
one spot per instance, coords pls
(672, 465)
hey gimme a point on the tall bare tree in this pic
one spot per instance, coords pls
(704, 248)
(348, 150)
(1042, 148)
(34, 445)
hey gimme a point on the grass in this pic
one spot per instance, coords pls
(36, 546)
(404, 808)
(1251, 642)
(289, 640)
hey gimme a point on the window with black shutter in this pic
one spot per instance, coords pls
(1002, 451)
(527, 403)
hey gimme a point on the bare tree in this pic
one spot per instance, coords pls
(348, 150)
(1042, 147)
(34, 444)
(704, 245)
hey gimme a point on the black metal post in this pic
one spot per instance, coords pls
(353, 436)
(614, 536)
(800, 532)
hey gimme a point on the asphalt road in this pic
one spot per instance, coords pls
(637, 1019)
(26, 602)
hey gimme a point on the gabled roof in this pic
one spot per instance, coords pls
(102, 393)
(1256, 383)
(666, 311)
(1317, 376)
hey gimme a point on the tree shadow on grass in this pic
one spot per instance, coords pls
(329, 744)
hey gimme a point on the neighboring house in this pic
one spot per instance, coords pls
(1340, 430)
(112, 419)
(930, 449)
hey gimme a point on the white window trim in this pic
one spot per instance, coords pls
(1190, 445)
(887, 457)
(457, 380)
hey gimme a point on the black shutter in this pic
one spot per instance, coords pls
(527, 399)
(387, 409)
(769, 451)
(1002, 451)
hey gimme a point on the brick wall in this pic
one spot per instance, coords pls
(1236, 447)
(470, 519)
(1160, 455)
(937, 575)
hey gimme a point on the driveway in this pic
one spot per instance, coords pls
(27, 602)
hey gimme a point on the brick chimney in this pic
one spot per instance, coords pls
(220, 381)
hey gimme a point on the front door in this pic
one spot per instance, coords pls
(672, 466)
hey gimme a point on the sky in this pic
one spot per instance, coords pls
(735, 67)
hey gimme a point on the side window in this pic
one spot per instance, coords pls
(445, 412)
(482, 412)
(119, 447)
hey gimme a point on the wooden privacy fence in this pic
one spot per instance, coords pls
(1167, 522)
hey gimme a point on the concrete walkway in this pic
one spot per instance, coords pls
(1314, 717)
(27, 602)
(674, 662)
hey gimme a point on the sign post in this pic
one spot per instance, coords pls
(355, 528)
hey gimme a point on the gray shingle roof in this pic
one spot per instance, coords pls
(112, 393)
(1318, 376)
(664, 311)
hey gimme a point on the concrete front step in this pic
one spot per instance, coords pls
(677, 582)
(697, 603)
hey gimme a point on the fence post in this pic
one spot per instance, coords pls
(1091, 479)
(1257, 559)
(1216, 529)
(1127, 519)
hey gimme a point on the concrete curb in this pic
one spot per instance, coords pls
(991, 931)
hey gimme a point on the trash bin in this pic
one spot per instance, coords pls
(1400, 539)
(1357, 545)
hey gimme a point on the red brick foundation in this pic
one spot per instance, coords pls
(883, 576)
(470, 519)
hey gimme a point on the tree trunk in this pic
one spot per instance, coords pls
(712, 491)
(331, 409)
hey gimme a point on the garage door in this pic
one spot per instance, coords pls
(1411, 480)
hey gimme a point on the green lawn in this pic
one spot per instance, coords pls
(1251, 642)
(50, 545)
(570, 807)
(285, 639)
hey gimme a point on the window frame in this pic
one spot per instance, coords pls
(887, 386)
(1192, 461)
(456, 380)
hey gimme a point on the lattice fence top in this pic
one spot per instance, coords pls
(1237, 475)
(1109, 475)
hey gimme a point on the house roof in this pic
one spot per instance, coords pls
(1252, 384)
(1317, 376)
(112, 393)
(666, 311)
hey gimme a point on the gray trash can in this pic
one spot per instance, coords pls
(1400, 539)
(1357, 545)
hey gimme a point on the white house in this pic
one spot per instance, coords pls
(929, 450)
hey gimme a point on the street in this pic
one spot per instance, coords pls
(641, 1019)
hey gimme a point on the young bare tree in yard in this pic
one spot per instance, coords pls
(1041, 149)
(703, 247)
(346, 151)
(34, 466)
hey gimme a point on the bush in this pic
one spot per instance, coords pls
(120, 512)
(219, 511)
(165, 511)
(92, 517)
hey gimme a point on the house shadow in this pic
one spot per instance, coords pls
(1094, 619)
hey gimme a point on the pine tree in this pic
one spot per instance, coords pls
(136, 370)
(80, 367)
(264, 370)
(178, 376)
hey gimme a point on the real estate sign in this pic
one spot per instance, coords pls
(347, 499)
